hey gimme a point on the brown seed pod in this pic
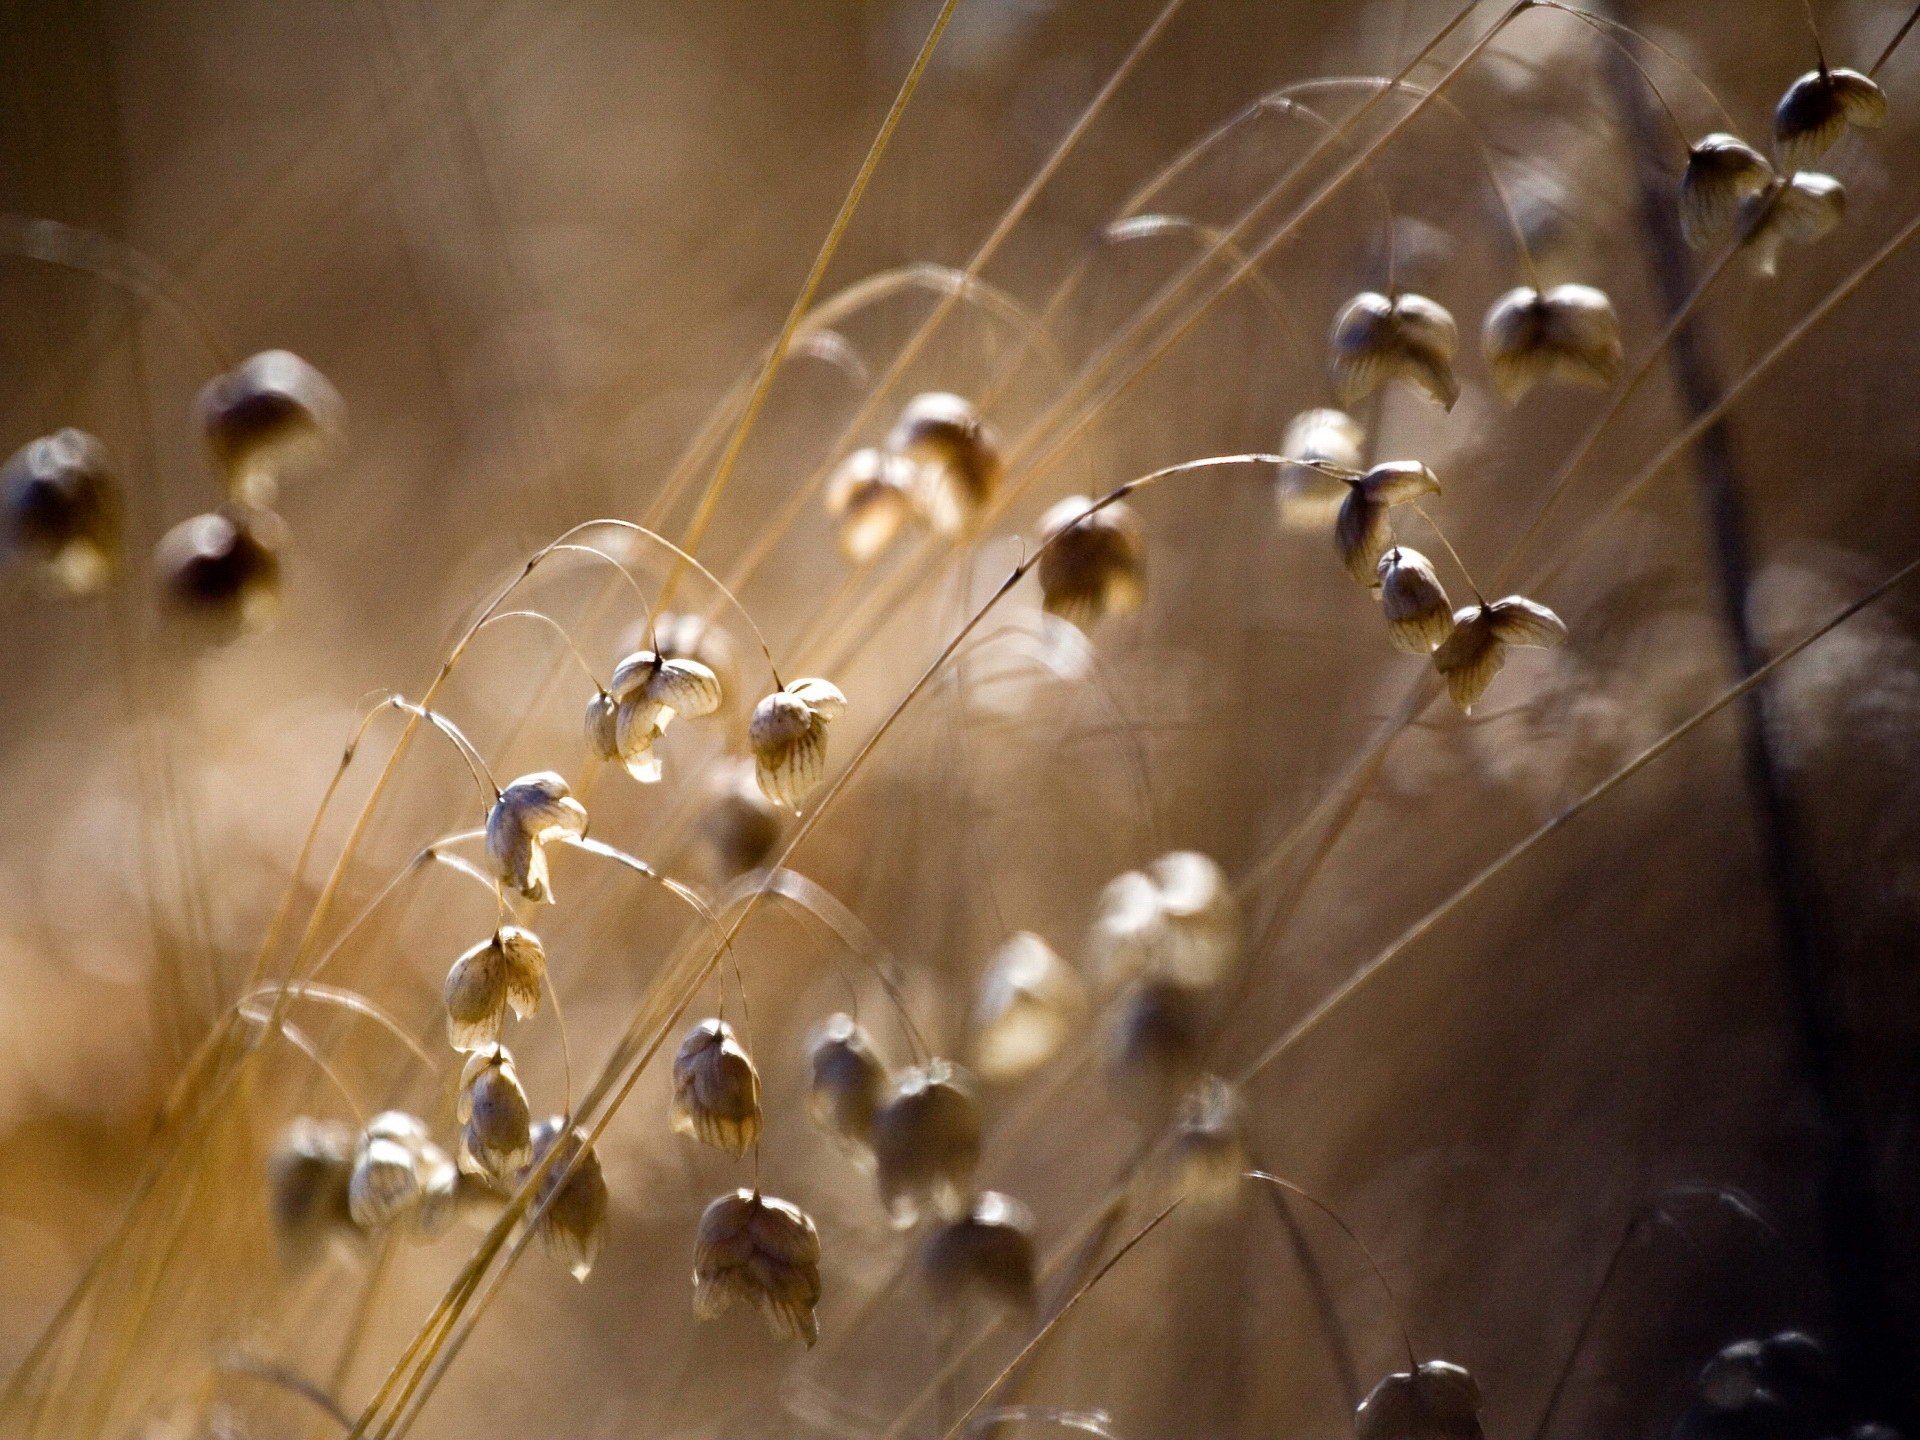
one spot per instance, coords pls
(870, 497)
(751, 1247)
(1155, 1047)
(926, 1142)
(506, 970)
(956, 459)
(1568, 332)
(1723, 174)
(270, 415)
(716, 1090)
(1098, 564)
(220, 572)
(788, 734)
(1364, 528)
(1437, 1401)
(1409, 337)
(647, 692)
(574, 1227)
(496, 1137)
(62, 509)
(1030, 1003)
(308, 1175)
(740, 825)
(1473, 654)
(1309, 496)
(530, 814)
(848, 1080)
(1816, 110)
(1418, 614)
(985, 1254)
(1176, 920)
(1797, 211)
(1207, 1156)
(400, 1175)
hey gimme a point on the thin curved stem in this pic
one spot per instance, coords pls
(541, 615)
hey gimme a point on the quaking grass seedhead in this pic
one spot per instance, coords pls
(63, 511)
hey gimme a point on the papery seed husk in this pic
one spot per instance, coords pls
(1438, 1401)
(716, 1089)
(926, 1142)
(574, 1227)
(1470, 657)
(1569, 332)
(497, 1138)
(1418, 614)
(1410, 337)
(1206, 1154)
(1723, 173)
(1362, 533)
(848, 1080)
(1155, 1044)
(63, 509)
(987, 1253)
(1818, 107)
(530, 812)
(788, 734)
(220, 572)
(1201, 920)
(1517, 620)
(385, 1181)
(763, 1250)
(1309, 497)
(1097, 564)
(956, 457)
(271, 413)
(308, 1178)
(869, 495)
(1030, 1003)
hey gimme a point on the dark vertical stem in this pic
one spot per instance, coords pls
(1868, 1347)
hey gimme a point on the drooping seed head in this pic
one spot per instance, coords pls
(1568, 332)
(62, 509)
(848, 1081)
(926, 1142)
(1363, 530)
(574, 1227)
(986, 1254)
(1409, 337)
(1732, 1379)
(1472, 655)
(1723, 173)
(1790, 1369)
(1176, 920)
(530, 814)
(1418, 614)
(507, 970)
(1156, 1043)
(716, 1090)
(1816, 110)
(399, 1174)
(1797, 211)
(870, 497)
(1309, 496)
(1031, 1001)
(1207, 1154)
(1096, 566)
(740, 825)
(647, 692)
(496, 1136)
(270, 415)
(956, 459)
(1438, 1401)
(220, 572)
(751, 1247)
(788, 734)
(308, 1176)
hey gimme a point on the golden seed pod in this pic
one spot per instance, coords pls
(508, 969)
(1567, 332)
(496, 1136)
(308, 1175)
(1418, 614)
(647, 692)
(1437, 1401)
(1723, 173)
(530, 814)
(870, 497)
(574, 1227)
(62, 509)
(1206, 1155)
(1797, 211)
(788, 735)
(688, 635)
(716, 1090)
(848, 1080)
(270, 415)
(1176, 920)
(1309, 497)
(1363, 530)
(220, 572)
(1155, 1047)
(399, 1174)
(1030, 1003)
(1817, 109)
(926, 1142)
(1096, 566)
(985, 1254)
(751, 1247)
(1473, 654)
(955, 457)
(1409, 337)
(740, 825)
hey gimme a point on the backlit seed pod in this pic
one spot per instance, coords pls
(507, 970)
(1568, 332)
(1175, 920)
(574, 1227)
(397, 1171)
(439, 1193)
(1419, 617)
(1818, 108)
(1798, 211)
(848, 1080)
(1206, 1155)
(740, 824)
(985, 1254)
(496, 1136)
(1723, 173)
(62, 509)
(1363, 529)
(269, 415)
(870, 497)
(1732, 1378)
(1030, 1003)
(1310, 497)
(1409, 337)
(1438, 1401)
(716, 1090)
(926, 1142)
(1098, 564)
(647, 691)
(1155, 1045)
(308, 1175)
(956, 459)
(530, 814)
(751, 1247)
(220, 572)
(788, 735)
(1473, 654)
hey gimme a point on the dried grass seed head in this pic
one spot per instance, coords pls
(647, 691)
(1156, 1043)
(1473, 654)
(986, 1254)
(1207, 1153)
(1031, 1001)
(1098, 564)
(400, 1175)
(1567, 332)
(1174, 920)
(1409, 337)
(1817, 109)
(1796, 211)
(751, 1247)
(269, 416)
(1723, 174)
(1419, 616)
(740, 825)
(1437, 1401)
(956, 459)
(1363, 530)
(848, 1082)
(496, 1123)
(574, 1227)
(870, 497)
(63, 509)
(220, 572)
(716, 1089)
(530, 814)
(788, 735)
(926, 1142)
(1309, 496)
(506, 970)
(308, 1178)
